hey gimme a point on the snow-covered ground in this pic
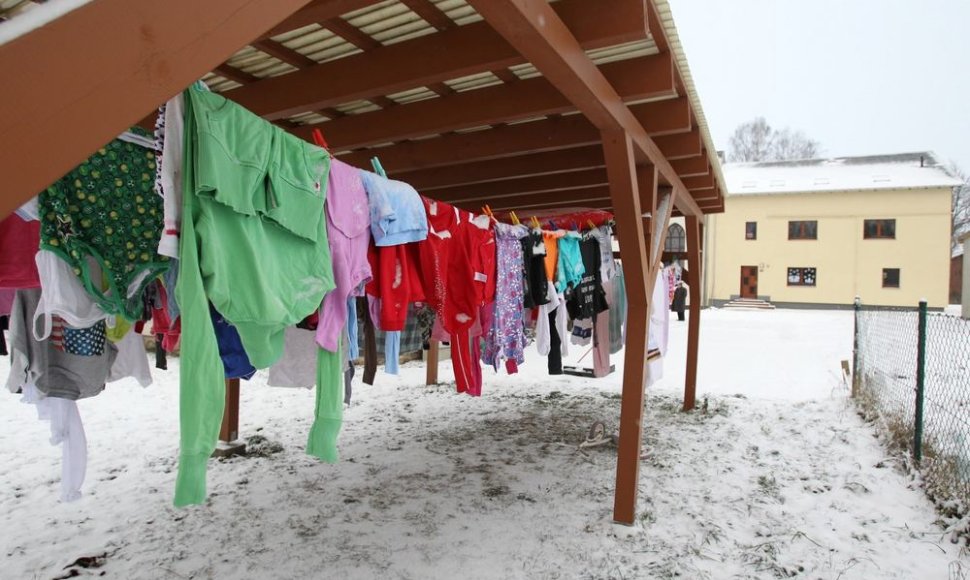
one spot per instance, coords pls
(778, 478)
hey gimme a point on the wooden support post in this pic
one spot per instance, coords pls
(229, 433)
(624, 190)
(694, 322)
(431, 377)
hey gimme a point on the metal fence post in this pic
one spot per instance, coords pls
(920, 383)
(855, 347)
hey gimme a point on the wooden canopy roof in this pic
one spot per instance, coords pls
(471, 102)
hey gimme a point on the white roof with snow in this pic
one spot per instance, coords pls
(900, 171)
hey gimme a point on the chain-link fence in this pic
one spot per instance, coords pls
(912, 375)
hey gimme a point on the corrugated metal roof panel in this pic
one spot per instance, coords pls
(418, 94)
(390, 22)
(309, 118)
(357, 107)
(476, 81)
(459, 11)
(623, 51)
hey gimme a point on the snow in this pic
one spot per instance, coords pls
(902, 171)
(774, 476)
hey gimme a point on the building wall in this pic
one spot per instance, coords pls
(847, 264)
(956, 279)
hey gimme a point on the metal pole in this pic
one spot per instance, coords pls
(855, 347)
(920, 383)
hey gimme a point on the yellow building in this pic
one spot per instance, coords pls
(818, 233)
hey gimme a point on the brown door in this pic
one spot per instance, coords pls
(749, 281)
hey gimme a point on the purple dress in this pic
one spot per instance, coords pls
(506, 335)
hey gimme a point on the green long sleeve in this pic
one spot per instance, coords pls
(328, 416)
(202, 389)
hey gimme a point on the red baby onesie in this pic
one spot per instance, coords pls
(19, 240)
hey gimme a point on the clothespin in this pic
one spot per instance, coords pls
(515, 218)
(592, 226)
(552, 225)
(378, 169)
(535, 223)
(319, 140)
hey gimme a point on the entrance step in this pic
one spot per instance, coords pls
(749, 304)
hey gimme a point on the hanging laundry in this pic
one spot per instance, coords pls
(19, 240)
(587, 298)
(617, 312)
(30, 211)
(604, 237)
(505, 340)
(235, 361)
(254, 243)
(4, 325)
(54, 372)
(132, 360)
(534, 270)
(104, 212)
(551, 318)
(569, 268)
(67, 430)
(297, 367)
(163, 325)
(458, 265)
(658, 328)
(397, 215)
(6, 300)
(85, 341)
(601, 337)
(169, 137)
(348, 233)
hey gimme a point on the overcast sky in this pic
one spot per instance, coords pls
(861, 76)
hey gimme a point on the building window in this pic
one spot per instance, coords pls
(890, 277)
(879, 229)
(803, 230)
(801, 276)
(751, 230)
(676, 239)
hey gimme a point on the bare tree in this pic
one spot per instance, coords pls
(961, 205)
(751, 141)
(756, 140)
(791, 144)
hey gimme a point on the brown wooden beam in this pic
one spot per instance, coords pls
(546, 163)
(624, 191)
(694, 323)
(498, 143)
(234, 74)
(546, 135)
(516, 188)
(284, 53)
(680, 146)
(85, 87)
(350, 33)
(453, 53)
(650, 76)
(563, 198)
(540, 35)
(316, 12)
(700, 182)
(431, 14)
(691, 166)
